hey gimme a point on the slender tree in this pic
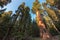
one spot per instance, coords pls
(52, 17)
(55, 9)
(51, 8)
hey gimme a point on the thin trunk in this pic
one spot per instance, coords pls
(44, 34)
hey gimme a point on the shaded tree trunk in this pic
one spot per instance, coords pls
(7, 36)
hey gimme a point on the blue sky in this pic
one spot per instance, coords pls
(15, 3)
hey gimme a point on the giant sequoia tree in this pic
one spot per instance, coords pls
(43, 31)
(50, 19)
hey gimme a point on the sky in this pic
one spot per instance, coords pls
(15, 3)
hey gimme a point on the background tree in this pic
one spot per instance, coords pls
(4, 19)
(54, 8)
(16, 26)
(22, 24)
(4, 24)
(50, 24)
(53, 17)
(51, 8)
(35, 30)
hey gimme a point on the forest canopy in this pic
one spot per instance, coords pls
(20, 26)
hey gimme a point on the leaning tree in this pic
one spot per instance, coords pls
(53, 9)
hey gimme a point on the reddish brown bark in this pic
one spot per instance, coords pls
(44, 33)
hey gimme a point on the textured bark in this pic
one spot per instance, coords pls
(44, 33)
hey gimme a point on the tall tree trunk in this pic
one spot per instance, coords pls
(44, 33)
(6, 37)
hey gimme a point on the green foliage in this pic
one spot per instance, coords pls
(58, 4)
(52, 2)
(19, 26)
(23, 24)
(51, 11)
(53, 32)
(36, 6)
(35, 30)
(4, 2)
(4, 24)
(16, 26)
